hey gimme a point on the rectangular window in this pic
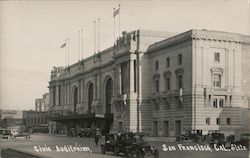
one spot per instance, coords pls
(59, 97)
(179, 79)
(157, 86)
(167, 62)
(215, 103)
(54, 96)
(167, 83)
(208, 121)
(156, 65)
(217, 57)
(216, 81)
(135, 76)
(228, 121)
(221, 103)
(218, 121)
(179, 59)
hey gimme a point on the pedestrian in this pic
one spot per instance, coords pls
(97, 136)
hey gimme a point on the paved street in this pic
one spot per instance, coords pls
(52, 146)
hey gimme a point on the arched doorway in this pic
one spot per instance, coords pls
(90, 95)
(109, 94)
(75, 99)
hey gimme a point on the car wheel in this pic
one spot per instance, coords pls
(156, 154)
(12, 138)
(27, 137)
(182, 138)
(199, 139)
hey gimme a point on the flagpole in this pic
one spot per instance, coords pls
(68, 51)
(79, 45)
(94, 38)
(114, 32)
(82, 43)
(98, 35)
(119, 20)
(65, 51)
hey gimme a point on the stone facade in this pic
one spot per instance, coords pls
(160, 83)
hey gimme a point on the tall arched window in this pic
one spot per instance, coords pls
(109, 94)
(90, 95)
(75, 98)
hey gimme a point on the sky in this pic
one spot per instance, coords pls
(31, 33)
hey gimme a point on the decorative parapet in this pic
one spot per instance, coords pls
(198, 35)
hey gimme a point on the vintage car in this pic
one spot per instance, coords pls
(5, 134)
(129, 144)
(244, 140)
(215, 137)
(19, 134)
(192, 135)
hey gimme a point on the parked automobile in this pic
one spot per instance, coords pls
(215, 137)
(5, 134)
(19, 134)
(244, 140)
(129, 144)
(192, 135)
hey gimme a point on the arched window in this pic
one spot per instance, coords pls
(109, 94)
(90, 95)
(75, 98)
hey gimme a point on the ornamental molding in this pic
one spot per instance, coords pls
(216, 70)
(179, 71)
(167, 74)
(156, 76)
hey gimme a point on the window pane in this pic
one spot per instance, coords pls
(217, 57)
(228, 121)
(167, 62)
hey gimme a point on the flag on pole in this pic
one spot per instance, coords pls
(63, 45)
(116, 12)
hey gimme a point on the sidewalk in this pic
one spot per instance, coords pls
(156, 139)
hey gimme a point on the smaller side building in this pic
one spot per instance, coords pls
(42, 104)
(13, 124)
(36, 121)
(11, 118)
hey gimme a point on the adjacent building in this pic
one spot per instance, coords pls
(42, 104)
(11, 119)
(35, 121)
(156, 82)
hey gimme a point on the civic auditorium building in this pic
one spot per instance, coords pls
(160, 83)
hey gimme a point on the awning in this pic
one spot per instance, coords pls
(83, 116)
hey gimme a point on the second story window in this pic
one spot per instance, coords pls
(167, 84)
(167, 62)
(208, 121)
(221, 103)
(216, 80)
(156, 65)
(218, 121)
(215, 103)
(179, 59)
(217, 57)
(179, 82)
(157, 85)
(228, 121)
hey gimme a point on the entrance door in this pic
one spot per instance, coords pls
(166, 128)
(155, 128)
(178, 127)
